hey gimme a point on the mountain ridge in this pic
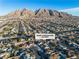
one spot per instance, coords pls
(38, 13)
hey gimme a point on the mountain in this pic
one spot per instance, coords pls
(42, 13)
(39, 13)
(50, 13)
(24, 12)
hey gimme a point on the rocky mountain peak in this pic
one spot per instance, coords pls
(42, 12)
(50, 13)
(23, 12)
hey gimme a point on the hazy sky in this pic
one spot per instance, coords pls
(70, 6)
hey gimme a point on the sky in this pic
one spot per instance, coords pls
(70, 6)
